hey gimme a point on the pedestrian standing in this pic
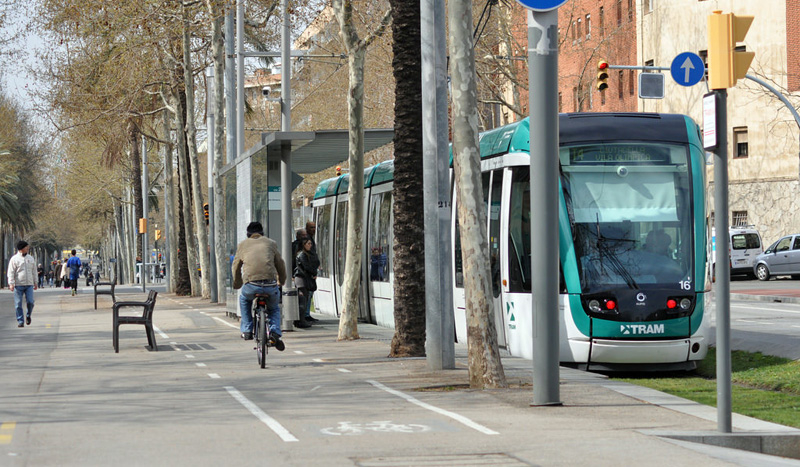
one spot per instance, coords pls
(22, 281)
(64, 274)
(74, 266)
(311, 230)
(40, 274)
(57, 275)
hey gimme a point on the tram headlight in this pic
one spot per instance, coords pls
(686, 304)
(594, 306)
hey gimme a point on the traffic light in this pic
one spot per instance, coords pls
(338, 170)
(725, 64)
(205, 212)
(602, 75)
(142, 225)
(158, 234)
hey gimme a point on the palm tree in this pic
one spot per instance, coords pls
(409, 240)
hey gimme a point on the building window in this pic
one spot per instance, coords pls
(704, 56)
(602, 22)
(739, 219)
(619, 13)
(560, 102)
(574, 34)
(630, 11)
(740, 142)
(621, 83)
(647, 6)
(578, 30)
(588, 27)
(631, 78)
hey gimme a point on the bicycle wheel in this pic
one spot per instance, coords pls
(262, 337)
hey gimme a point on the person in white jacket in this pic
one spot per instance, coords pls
(22, 281)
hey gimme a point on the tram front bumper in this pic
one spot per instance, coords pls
(650, 351)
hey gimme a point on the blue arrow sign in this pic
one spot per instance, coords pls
(687, 69)
(542, 5)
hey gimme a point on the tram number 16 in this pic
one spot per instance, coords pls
(686, 285)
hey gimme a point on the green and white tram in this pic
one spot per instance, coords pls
(633, 241)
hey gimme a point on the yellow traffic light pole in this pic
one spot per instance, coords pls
(726, 65)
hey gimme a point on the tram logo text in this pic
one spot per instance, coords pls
(641, 329)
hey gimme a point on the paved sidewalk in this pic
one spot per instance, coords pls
(78, 403)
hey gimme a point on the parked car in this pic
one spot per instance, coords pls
(744, 246)
(780, 259)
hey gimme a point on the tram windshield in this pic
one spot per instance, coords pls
(630, 208)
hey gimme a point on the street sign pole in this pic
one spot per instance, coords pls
(543, 105)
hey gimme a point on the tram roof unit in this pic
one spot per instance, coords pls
(375, 175)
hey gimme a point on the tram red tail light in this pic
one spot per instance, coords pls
(611, 304)
(602, 305)
(672, 304)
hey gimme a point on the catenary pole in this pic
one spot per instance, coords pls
(543, 105)
(145, 193)
(439, 345)
(211, 126)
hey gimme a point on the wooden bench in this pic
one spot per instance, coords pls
(109, 291)
(145, 319)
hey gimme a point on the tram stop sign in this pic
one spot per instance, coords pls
(542, 5)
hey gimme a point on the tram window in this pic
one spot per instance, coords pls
(519, 231)
(340, 240)
(380, 234)
(459, 260)
(323, 239)
(494, 230)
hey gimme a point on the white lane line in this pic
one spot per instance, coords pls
(189, 356)
(446, 413)
(273, 424)
(344, 370)
(754, 322)
(225, 322)
(299, 352)
(318, 360)
(201, 365)
(160, 332)
(315, 388)
(214, 376)
(175, 346)
(776, 309)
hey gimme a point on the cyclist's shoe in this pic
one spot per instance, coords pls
(28, 321)
(311, 319)
(248, 336)
(276, 341)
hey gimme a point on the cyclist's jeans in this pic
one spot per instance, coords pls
(246, 297)
(23, 292)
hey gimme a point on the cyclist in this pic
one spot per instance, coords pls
(259, 269)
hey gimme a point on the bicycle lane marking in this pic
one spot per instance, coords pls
(457, 417)
(7, 432)
(273, 424)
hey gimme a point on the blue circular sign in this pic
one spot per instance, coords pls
(542, 5)
(687, 69)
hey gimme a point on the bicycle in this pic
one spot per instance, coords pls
(261, 328)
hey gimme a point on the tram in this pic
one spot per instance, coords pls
(633, 239)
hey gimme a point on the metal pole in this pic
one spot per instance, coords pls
(239, 79)
(145, 192)
(439, 345)
(211, 126)
(167, 201)
(543, 105)
(290, 303)
(723, 286)
(230, 99)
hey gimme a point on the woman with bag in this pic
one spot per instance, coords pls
(305, 278)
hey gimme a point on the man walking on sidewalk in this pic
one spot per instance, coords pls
(74, 265)
(22, 280)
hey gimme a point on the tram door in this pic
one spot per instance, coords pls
(493, 192)
(339, 251)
